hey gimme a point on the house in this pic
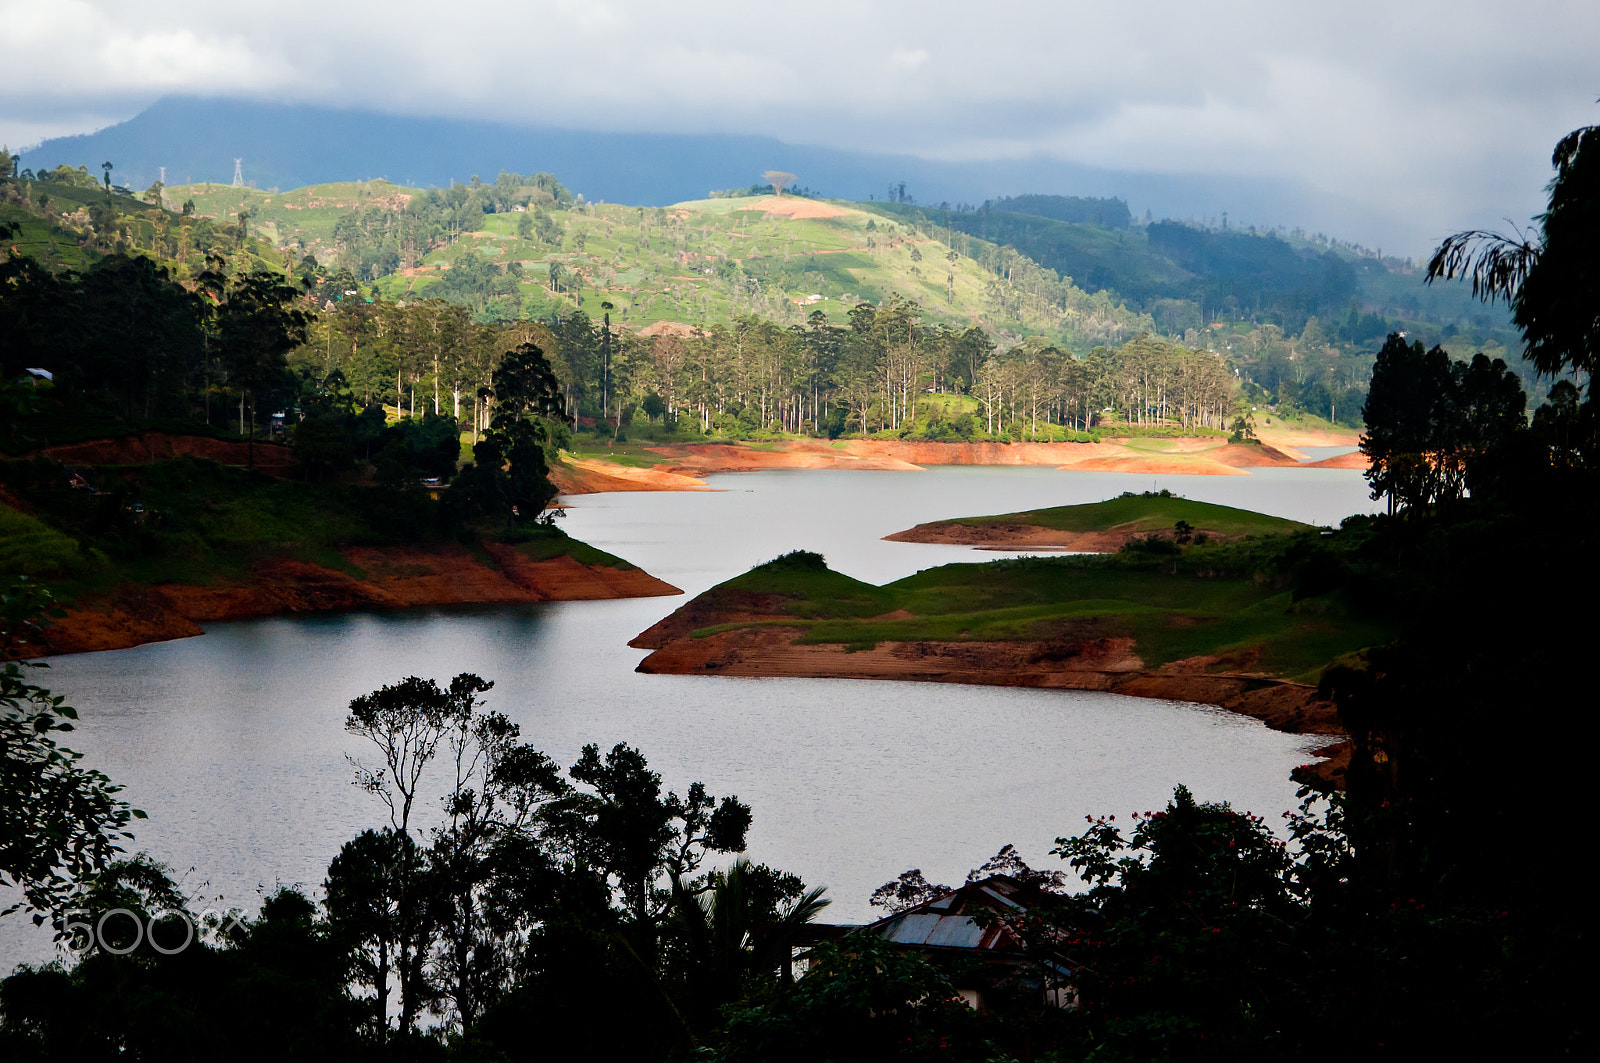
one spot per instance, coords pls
(974, 934)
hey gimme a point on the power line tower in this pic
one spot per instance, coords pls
(163, 175)
(238, 173)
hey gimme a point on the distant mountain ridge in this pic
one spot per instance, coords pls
(293, 145)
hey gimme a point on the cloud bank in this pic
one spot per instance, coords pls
(1439, 113)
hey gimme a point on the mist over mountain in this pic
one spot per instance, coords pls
(287, 146)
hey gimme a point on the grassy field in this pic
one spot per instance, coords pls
(1148, 512)
(29, 547)
(1248, 622)
(692, 263)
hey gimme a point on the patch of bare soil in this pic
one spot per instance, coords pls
(1248, 456)
(272, 458)
(585, 476)
(702, 459)
(1353, 460)
(1280, 435)
(669, 328)
(698, 460)
(795, 207)
(1013, 537)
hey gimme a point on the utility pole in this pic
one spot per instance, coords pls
(605, 367)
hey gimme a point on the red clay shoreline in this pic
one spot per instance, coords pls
(683, 467)
(770, 649)
(392, 578)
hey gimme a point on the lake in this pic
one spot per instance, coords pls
(233, 742)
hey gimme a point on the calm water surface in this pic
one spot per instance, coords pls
(1319, 453)
(233, 741)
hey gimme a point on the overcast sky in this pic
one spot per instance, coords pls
(1442, 113)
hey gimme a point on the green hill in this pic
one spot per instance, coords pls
(1149, 512)
(697, 263)
(1235, 604)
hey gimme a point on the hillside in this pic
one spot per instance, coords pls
(1188, 273)
(697, 263)
(64, 219)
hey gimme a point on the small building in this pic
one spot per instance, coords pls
(973, 935)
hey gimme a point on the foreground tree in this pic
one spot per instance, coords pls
(647, 845)
(60, 823)
(509, 476)
(859, 1002)
(1438, 429)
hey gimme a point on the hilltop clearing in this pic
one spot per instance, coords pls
(1102, 527)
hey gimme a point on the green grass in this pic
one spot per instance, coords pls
(1250, 622)
(632, 455)
(1143, 513)
(30, 547)
(545, 543)
(815, 590)
(652, 265)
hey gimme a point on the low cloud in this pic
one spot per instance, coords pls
(1439, 112)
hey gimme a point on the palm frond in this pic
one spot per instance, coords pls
(1562, 157)
(1496, 264)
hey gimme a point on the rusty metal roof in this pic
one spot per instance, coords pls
(961, 919)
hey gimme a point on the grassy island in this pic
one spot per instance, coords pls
(1100, 527)
(1248, 623)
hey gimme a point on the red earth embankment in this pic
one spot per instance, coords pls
(583, 476)
(763, 646)
(684, 466)
(1009, 536)
(1353, 460)
(389, 578)
(272, 458)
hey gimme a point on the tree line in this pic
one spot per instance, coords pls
(138, 338)
(756, 376)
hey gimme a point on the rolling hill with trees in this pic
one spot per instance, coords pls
(761, 297)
